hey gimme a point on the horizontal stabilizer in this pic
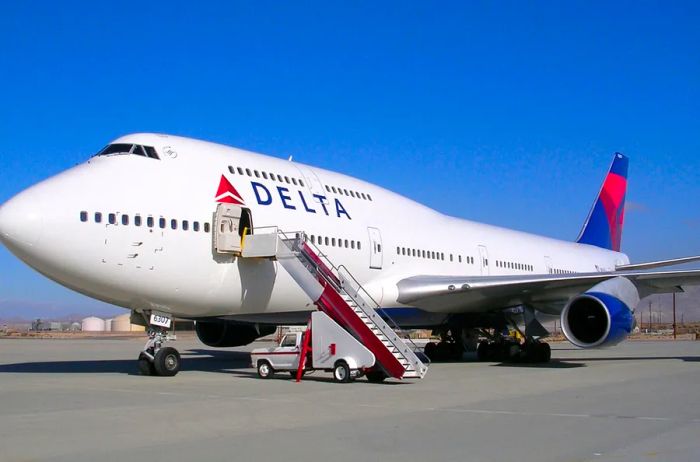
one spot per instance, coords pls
(657, 264)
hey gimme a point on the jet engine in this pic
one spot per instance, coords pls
(229, 333)
(602, 316)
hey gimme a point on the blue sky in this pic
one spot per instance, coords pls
(503, 112)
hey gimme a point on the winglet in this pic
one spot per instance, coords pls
(603, 227)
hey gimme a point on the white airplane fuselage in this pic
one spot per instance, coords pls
(52, 227)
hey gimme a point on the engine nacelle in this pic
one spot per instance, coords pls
(229, 333)
(602, 316)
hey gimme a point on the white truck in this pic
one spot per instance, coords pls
(333, 349)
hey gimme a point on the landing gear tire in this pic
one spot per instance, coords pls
(429, 350)
(538, 353)
(265, 371)
(376, 376)
(167, 362)
(483, 351)
(341, 372)
(145, 365)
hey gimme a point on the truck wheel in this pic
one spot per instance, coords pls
(265, 371)
(341, 372)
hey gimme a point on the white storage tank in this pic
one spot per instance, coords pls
(108, 325)
(93, 324)
(121, 323)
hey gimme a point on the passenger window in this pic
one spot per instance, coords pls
(327, 240)
(112, 219)
(240, 170)
(149, 222)
(195, 226)
(247, 172)
(345, 191)
(231, 169)
(83, 216)
(125, 220)
(352, 244)
(206, 227)
(137, 220)
(333, 242)
(359, 245)
(289, 341)
(369, 197)
(264, 174)
(173, 224)
(328, 189)
(333, 188)
(294, 180)
(279, 178)
(301, 183)
(459, 258)
(347, 244)
(363, 196)
(185, 225)
(161, 223)
(286, 179)
(313, 241)
(257, 174)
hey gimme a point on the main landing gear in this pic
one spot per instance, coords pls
(509, 350)
(156, 359)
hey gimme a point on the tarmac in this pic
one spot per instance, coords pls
(75, 400)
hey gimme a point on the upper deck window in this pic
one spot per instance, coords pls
(124, 148)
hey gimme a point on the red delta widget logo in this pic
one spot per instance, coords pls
(292, 200)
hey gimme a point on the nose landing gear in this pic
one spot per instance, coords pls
(156, 359)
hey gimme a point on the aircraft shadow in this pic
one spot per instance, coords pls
(214, 361)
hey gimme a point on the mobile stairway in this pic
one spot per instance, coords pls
(335, 292)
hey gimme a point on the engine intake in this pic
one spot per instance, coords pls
(602, 316)
(224, 334)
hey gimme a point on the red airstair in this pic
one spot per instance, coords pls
(336, 293)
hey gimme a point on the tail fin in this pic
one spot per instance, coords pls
(603, 227)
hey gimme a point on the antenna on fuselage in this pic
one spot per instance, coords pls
(290, 158)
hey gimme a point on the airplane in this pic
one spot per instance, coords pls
(158, 224)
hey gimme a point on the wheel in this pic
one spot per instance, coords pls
(167, 362)
(341, 372)
(145, 365)
(265, 371)
(429, 350)
(376, 376)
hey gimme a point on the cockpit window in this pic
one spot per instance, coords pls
(125, 149)
(138, 150)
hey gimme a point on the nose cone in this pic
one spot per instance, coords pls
(21, 222)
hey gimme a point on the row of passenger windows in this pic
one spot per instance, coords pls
(266, 175)
(333, 242)
(295, 181)
(514, 265)
(560, 271)
(349, 193)
(150, 221)
(431, 254)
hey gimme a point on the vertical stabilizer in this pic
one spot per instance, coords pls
(603, 227)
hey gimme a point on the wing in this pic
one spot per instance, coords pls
(547, 293)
